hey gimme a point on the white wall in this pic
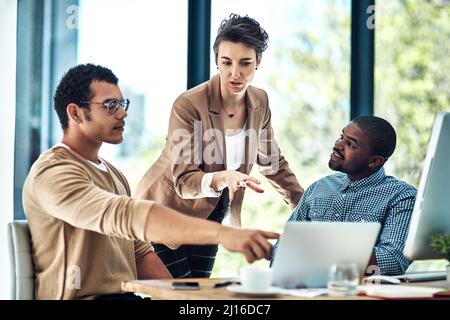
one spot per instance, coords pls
(8, 27)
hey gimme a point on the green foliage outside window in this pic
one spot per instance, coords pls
(412, 78)
(441, 244)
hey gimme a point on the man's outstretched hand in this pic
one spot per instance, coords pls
(253, 244)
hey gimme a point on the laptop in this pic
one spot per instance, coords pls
(307, 250)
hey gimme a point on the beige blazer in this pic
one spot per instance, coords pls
(195, 145)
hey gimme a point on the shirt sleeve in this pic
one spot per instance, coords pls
(301, 211)
(389, 249)
(66, 192)
(206, 186)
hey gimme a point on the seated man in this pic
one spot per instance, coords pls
(88, 234)
(363, 192)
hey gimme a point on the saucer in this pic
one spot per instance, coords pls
(269, 292)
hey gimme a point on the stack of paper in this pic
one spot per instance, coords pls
(304, 293)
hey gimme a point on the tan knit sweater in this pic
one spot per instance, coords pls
(85, 228)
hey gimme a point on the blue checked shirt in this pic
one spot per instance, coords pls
(377, 198)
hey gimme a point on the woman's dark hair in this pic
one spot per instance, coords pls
(74, 87)
(242, 29)
(381, 134)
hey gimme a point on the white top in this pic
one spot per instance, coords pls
(100, 166)
(235, 146)
(235, 150)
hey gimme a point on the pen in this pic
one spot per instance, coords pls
(222, 284)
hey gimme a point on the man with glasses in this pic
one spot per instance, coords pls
(88, 234)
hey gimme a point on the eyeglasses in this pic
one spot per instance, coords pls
(112, 105)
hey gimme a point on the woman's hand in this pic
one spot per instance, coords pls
(234, 180)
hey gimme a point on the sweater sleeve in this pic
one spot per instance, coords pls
(141, 248)
(66, 191)
(392, 238)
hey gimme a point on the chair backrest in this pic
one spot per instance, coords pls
(21, 261)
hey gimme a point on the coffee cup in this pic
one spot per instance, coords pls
(255, 278)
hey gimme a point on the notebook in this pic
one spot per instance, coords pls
(398, 292)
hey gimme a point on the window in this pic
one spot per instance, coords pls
(145, 44)
(411, 75)
(8, 31)
(46, 48)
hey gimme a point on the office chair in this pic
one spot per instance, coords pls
(21, 261)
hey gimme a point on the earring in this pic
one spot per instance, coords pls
(217, 67)
(256, 68)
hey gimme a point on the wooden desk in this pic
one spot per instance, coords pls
(160, 289)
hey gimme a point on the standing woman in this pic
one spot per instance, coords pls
(217, 131)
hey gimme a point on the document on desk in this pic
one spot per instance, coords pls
(304, 293)
(398, 291)
(425, 270)
(425, 276)
(424, 266)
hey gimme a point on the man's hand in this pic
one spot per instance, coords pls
(252, 243)
(165, 225)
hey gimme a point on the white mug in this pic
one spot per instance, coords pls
(255, 278)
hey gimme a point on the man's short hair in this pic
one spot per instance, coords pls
(74, 87)
(381, 134)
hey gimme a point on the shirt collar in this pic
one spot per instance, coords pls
(369, 181)
(100, 165)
